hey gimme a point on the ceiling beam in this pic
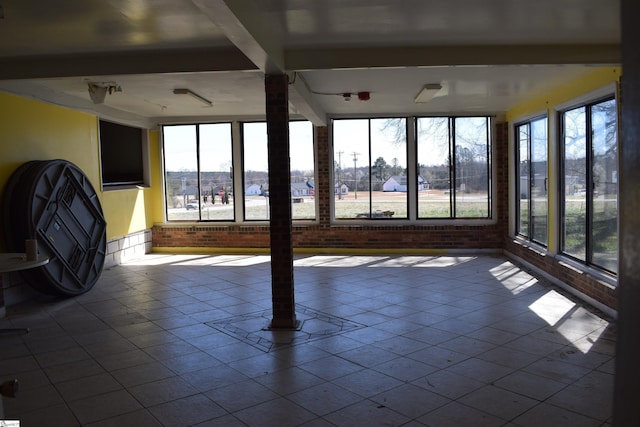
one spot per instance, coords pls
(244, 25)
(431, 56)
(110, 63)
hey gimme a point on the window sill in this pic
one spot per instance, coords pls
(417, 222)
(106, 188)
(607, 279)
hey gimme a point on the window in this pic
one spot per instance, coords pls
(454, 167)
(255, 166)
(302, 170)
(589, 206)
(370, 168)
(199, 171)
(531, 181)
(123, 155)
(256, 170)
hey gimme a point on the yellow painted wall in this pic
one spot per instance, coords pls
(600, 77)
(144, 206)
(597, 79)
(155, 196)
(33, 130)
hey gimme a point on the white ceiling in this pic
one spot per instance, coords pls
(488, 55)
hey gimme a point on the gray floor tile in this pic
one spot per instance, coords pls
(415, 340)
(187, 411)
(104, 406)
(324, 398)
(552, 416)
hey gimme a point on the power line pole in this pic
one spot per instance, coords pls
(339, 175)
(355, 174)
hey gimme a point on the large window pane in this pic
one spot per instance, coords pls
(370, 168)
(389, 168)
(256, 171)
(472, 167)
(199, 171)
(181, 176)
(605, 188)
(434, 195)
(574, 205)
(302, 170)
(590, 184)
(216, 170)
(538, 181)
(523, 133)
(350, 152)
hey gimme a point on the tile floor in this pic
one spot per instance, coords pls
(179, 340)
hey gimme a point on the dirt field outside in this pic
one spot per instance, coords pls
(387, 205)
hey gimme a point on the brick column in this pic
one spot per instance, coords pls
(323, 176)
(277, 109)
(501, 166)
(3, 310)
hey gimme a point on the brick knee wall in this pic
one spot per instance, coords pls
(580, 280)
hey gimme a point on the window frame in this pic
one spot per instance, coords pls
(237, 173)
(413, 172)
(531, 234)
(373, 215)
(587, 101)
(200, 193)
(453, 169)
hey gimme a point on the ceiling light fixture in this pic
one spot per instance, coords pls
(98, 90)
(195, 95)
(428, 91)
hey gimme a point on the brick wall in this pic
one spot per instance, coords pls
(578, 279)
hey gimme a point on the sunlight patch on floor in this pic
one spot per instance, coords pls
(337, 261)
(165, 259)
(244, 261)
(552, 307)
(317, 260)
(444, 261)
(403, 261)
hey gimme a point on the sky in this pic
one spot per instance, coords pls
(352, 139)
(215, 146)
